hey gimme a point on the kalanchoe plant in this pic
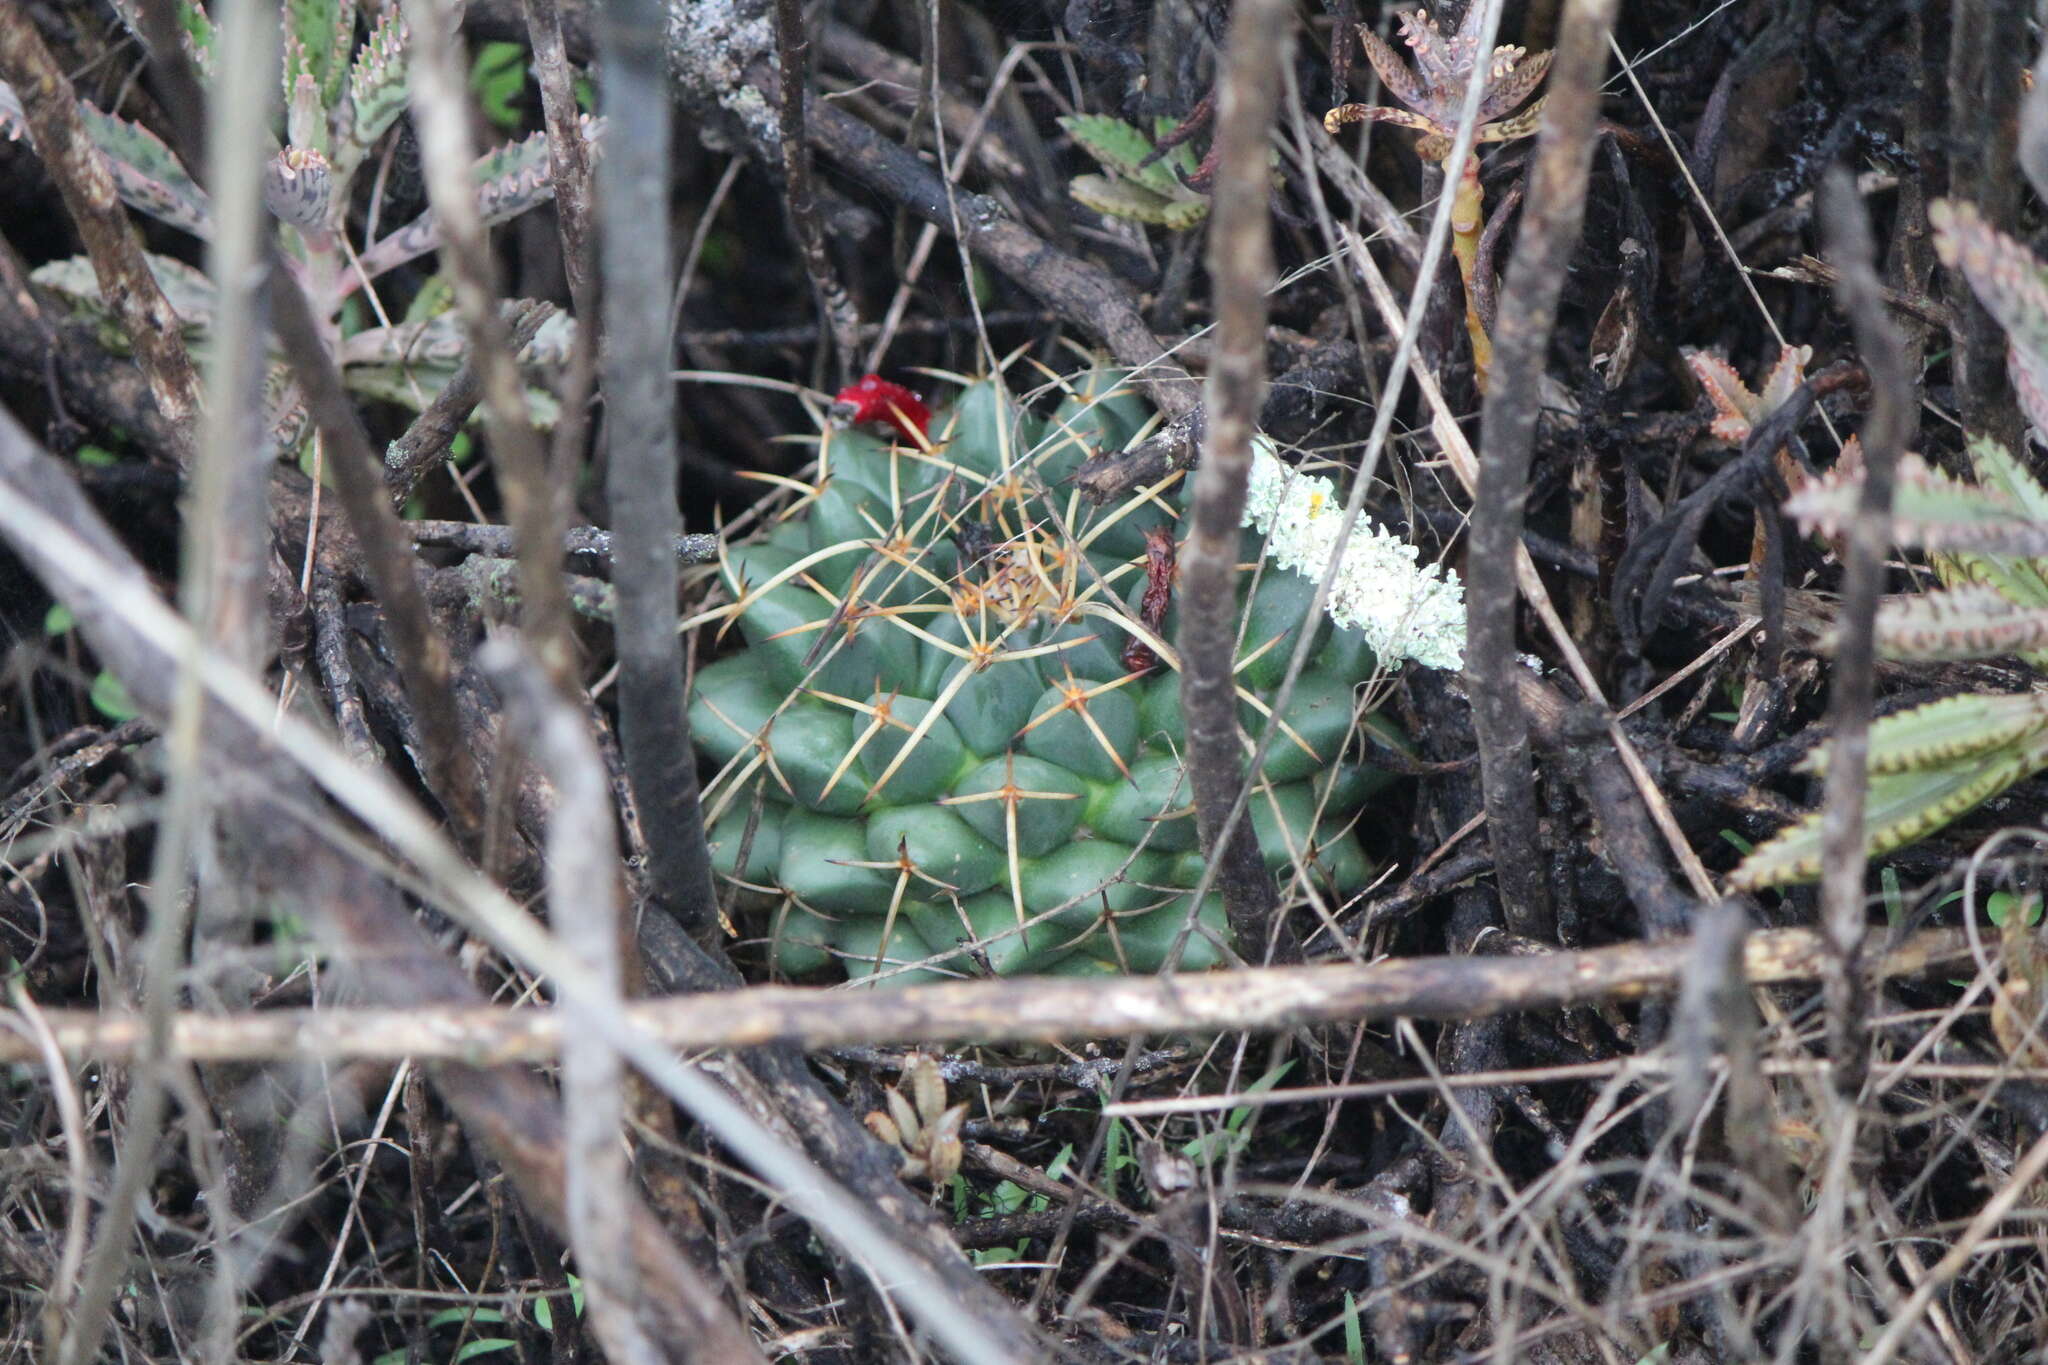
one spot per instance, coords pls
(1142, 183)
(1988, 544)
(951, 745)
(1433, 93)
(1738, 411)
(341, 99)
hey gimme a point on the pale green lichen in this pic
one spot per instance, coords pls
(1403, 608)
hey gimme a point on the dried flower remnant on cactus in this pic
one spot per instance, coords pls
(872, 400)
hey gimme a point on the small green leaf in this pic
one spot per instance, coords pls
(97, 457)
(110, 698)
(1121, 199)
(1999, 904)
(483, 1346)
(1117, 145)
(498, 76)
(1354, 1332)
(58, 620)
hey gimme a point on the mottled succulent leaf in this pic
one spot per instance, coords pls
(2029, 373)
(440, 340)
(2019, 581)
(1514, 85)
(191, 295)
(147, 174)
(317, 38)
(1734, 405)
(1399, 78)
(305, 117)
(2006, 277)
(1947, 731)
(1374, 113)
(1901, 808)
(509, 181)
(1787, 374)
(298, 187)
(376, 88)
(1961, 623)
(1997, 468)
(1520, 125)
(1928, 508)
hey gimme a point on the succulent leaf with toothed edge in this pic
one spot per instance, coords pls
(1987, 540)
(340, 98)
(939, 755)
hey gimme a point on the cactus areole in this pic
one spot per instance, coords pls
(950, 745)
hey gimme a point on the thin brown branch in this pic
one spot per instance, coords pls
(1852, 251)
(1528, 311)
(50, 106)
(1241, 266)
(793, 55)
(427, 439)
(1079, 291)
(568, 154)
(1263, 999)
(533, 504)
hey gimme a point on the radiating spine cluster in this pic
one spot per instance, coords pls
(943, 753)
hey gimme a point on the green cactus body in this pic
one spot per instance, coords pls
(935, 760)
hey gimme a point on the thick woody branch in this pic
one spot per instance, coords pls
(1528, 310)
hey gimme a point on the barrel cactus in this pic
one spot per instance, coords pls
(950, 743)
